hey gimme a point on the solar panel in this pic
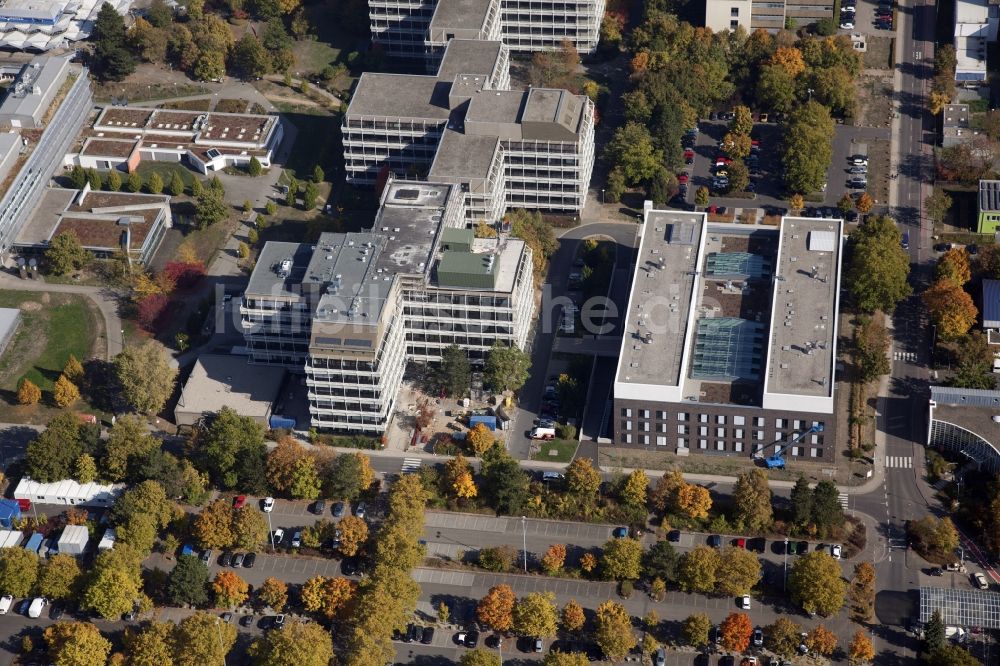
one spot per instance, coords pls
(961, 607)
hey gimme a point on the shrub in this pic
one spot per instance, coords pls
(150, 311)
(498, 558)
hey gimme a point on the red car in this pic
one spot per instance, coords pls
(682, 179)
(722, 161)
(688, 153)
(741, 543)
(239, 501)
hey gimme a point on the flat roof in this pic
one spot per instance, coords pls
(464, 156)
(961, 607)
(460, 14)
(8, 321)
(656, 324)
(123, 117)
(272, 277)
(224, 380)
(989, 195)
(804, 314)
(991, 303)
(496, 106)
(971, 409)
(468, 56)
(108, 148)
(42, 74)
(400, 96)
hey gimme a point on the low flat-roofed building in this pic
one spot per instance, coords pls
(955, 128)
(966, 422)
(988, 220)
(220, 380)
(33, 91)
(105, 222)
(31, 25)
(730, 338)
(68, 492)
(976, 24)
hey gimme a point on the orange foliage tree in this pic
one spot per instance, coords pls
(735, 632)
(496, 609)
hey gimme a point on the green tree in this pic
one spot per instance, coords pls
(134, 182)
(776, 89)
(138, 531)
(188, 582)
(153, 645)
(752, 502)
(148, 497)
(85, 469)
(784, 637)
(65, 254)
(622, 559)
(742, 122)
(114, 583)
(701, 196)
(52, 455)
(78, 177)
(801, 501)
(694, 630)
(305, 479)
(974, 363)
(297, 643)
(154, 184)
(318, 175)
(111, 60)
(249, 58)
(293, 193)
(128, 441)
(479, 657)
(146, 376)
(698, 570)
(94, 178)
(872, 348)
(210, 208)
(662, 186)
(738, 571)
(951, 655)
(631, 150)
(206, 640)
(535, 615)
(934, 538)
(879, 267)
(232, 451)
(808, 147)
(815, 583)
(309, 196)
(455, 372)
(114, 180)
(739, 176)
(937, 206)
(59, 577)
(827, 513)
(507, 367)
(18, 571)
(615, 187)
(934, 632)
(614, 630)
(176, 186)
(660, 561)
(76, 644)
(346, 476)
(505, 484)
(196, 187)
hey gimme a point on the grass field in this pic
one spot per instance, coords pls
(556, 450)
(53, 326)
(166, 171)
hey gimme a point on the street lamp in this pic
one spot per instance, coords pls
(270, 531)
(602, 197)
(784, 578)
(218, 626)
(524, 541)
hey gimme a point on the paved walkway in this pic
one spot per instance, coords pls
(105, 300)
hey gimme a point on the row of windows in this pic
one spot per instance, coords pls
(716, 445)
(707, 431)
(720, 419)
(440, 313)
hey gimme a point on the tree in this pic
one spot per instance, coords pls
(348, 476)
(328, 596)
(154, 185)
(176, 185)
(128, 441)
(974, 362)
(114, 181)
(134, 182)
(614, 630)
(152, 646)
(951, 655)
(77, 177)
(701, 196)
(742, 122)
(28, 392)
(738, 571)
(76, 644)
(694, 631)
(114, 584)
(85, 469)
(734, 632)
(861, 650)
(863, 592)
(615, 186)
(622, 559)
(211, 208)
(808, 147)
(872, 348)
(354, 532)
(784, 637)
(504, 484)
(206, 640)
(879, 266)
(496, 609)
(954, 265)
(739, 176)
(752, 501)
(273, 593)
(694, 501)
(230, 590)
(633, 490)
(146, 376)
(582, 479)
(455, 373)
(801, 501)
(249, 528)
(789, 59)
(480, 438)
(293, 192)
(662, 186)
(196, 187)
(188, 582)
(554, 558)
(815, 584)
(776, 89)
(934, 538)
(937, 206)
(65, 392)
(660, 561)
(951, 309)
(59, 577)
(557, 658)
(698, 570)
(479, 657)
(497, 558)
(18, 571)
(535, 615)
(309, 196)
(572, 616)
(111, 60)
(52, 455)
(73, 370)
(297, 643)
(249, 58)
(631, 150)
(821, 641)
(231, 449)
(827, 513)
(213, 526)
(65, 254)
(149, 498)
(458, 478)
(506, 367)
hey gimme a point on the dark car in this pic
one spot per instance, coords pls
(715, 541)
(338, 509)
(428, 636)
(360, 509)
(416, 633)
(936, 571)
(249, 560)
(472, 639)
(319, 507)
(238, 560)
(225, 559)
(493, 641)
(246, 621)
(801, 548)
(674, 536)
(349, 566)
(56, 612)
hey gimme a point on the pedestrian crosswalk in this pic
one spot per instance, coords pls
(411, 465)
(905, 356)
(899, 462)
(842, 498)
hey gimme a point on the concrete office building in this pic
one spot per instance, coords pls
(976, 23)
(30, 25)
(966, 422)
(421, 29)
(769, 15)
(531, 149)
(730, 338)
(32, 92)
(352, 309)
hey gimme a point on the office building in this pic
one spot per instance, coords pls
(731, 338)
(769, 15)
(529, 149)
(30, 25)
(966, 422)
(421, 29)
(988, 218)
(976, 24)
(351, 310)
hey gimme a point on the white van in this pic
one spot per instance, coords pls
(543, 433)
(6, 601)
(35, 609)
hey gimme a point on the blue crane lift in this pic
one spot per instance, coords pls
(777, 461)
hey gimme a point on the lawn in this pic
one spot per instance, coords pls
(166, 171)
(556, 450)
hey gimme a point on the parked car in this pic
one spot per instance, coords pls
(758, 637)
(246, 620)
(319, 507)
(206, 555)
(279, 621)
(225, 559)
(278, 536)
(674, 536)
(267, 504)
(744, 602)
(428, 636)
(980, 581)
(238, 560)
(836, 551)
(715, 541)
(297, 539)
(338, 510)
(249, 560)
(360, 509)
(6, 601)
(660, 658)
(620, 532)
(239, 501)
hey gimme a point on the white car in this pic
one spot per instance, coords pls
(268, 504)
(745, 602)
(835, 551)
(846, 25)
(278, 536)
(981, 581)
(6, 601)
(35, 609)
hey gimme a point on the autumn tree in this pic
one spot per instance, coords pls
(76, 644)
(862, 592)
(865, 203)
(582, 479)
(752, 502)
(572, 616)
(249, 528)
(146, 376)
(206, 640)
(59, 577)
(738, 571)
(114, 583)
(65, 392)
(281, 464)
(934, 538)
(954, 265)
(821, 641)
(479, 657)
(353, 534)
(28, 392)
(480, 438)
(273, 593)
(554, 558)
(734, 632)
(633, 490)
(496, 609)
(698, 570)
(230, 590)
(613, 632)
(861, 650)
(695, 630)
(213, 526)
(18, 571)
(784, 637)
(297, 643)
(951, 309)
(535, 615)
(151, 646)
(789, 59)
(622, 559)
(796, 202)
(815, 584)
(328, 596)
(458, 479)
(694, 501)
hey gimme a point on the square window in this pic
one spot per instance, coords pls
(759, 421)
(661, 415)
(734, 11)
(779, 423)
(739, 420)
(681, 443)
(797, 424)
(720, 445)
(814, 452)
(644, 413)
(720, 432)
(795, 451)
(661, 441)
(703, 418)
(720, 419)
(682, 416)
(702, 443)
(759, 434)
(682, 430)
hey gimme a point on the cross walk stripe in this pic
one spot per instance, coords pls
(842, 498)
(904, 356)
(411, 465)
(899, 462)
